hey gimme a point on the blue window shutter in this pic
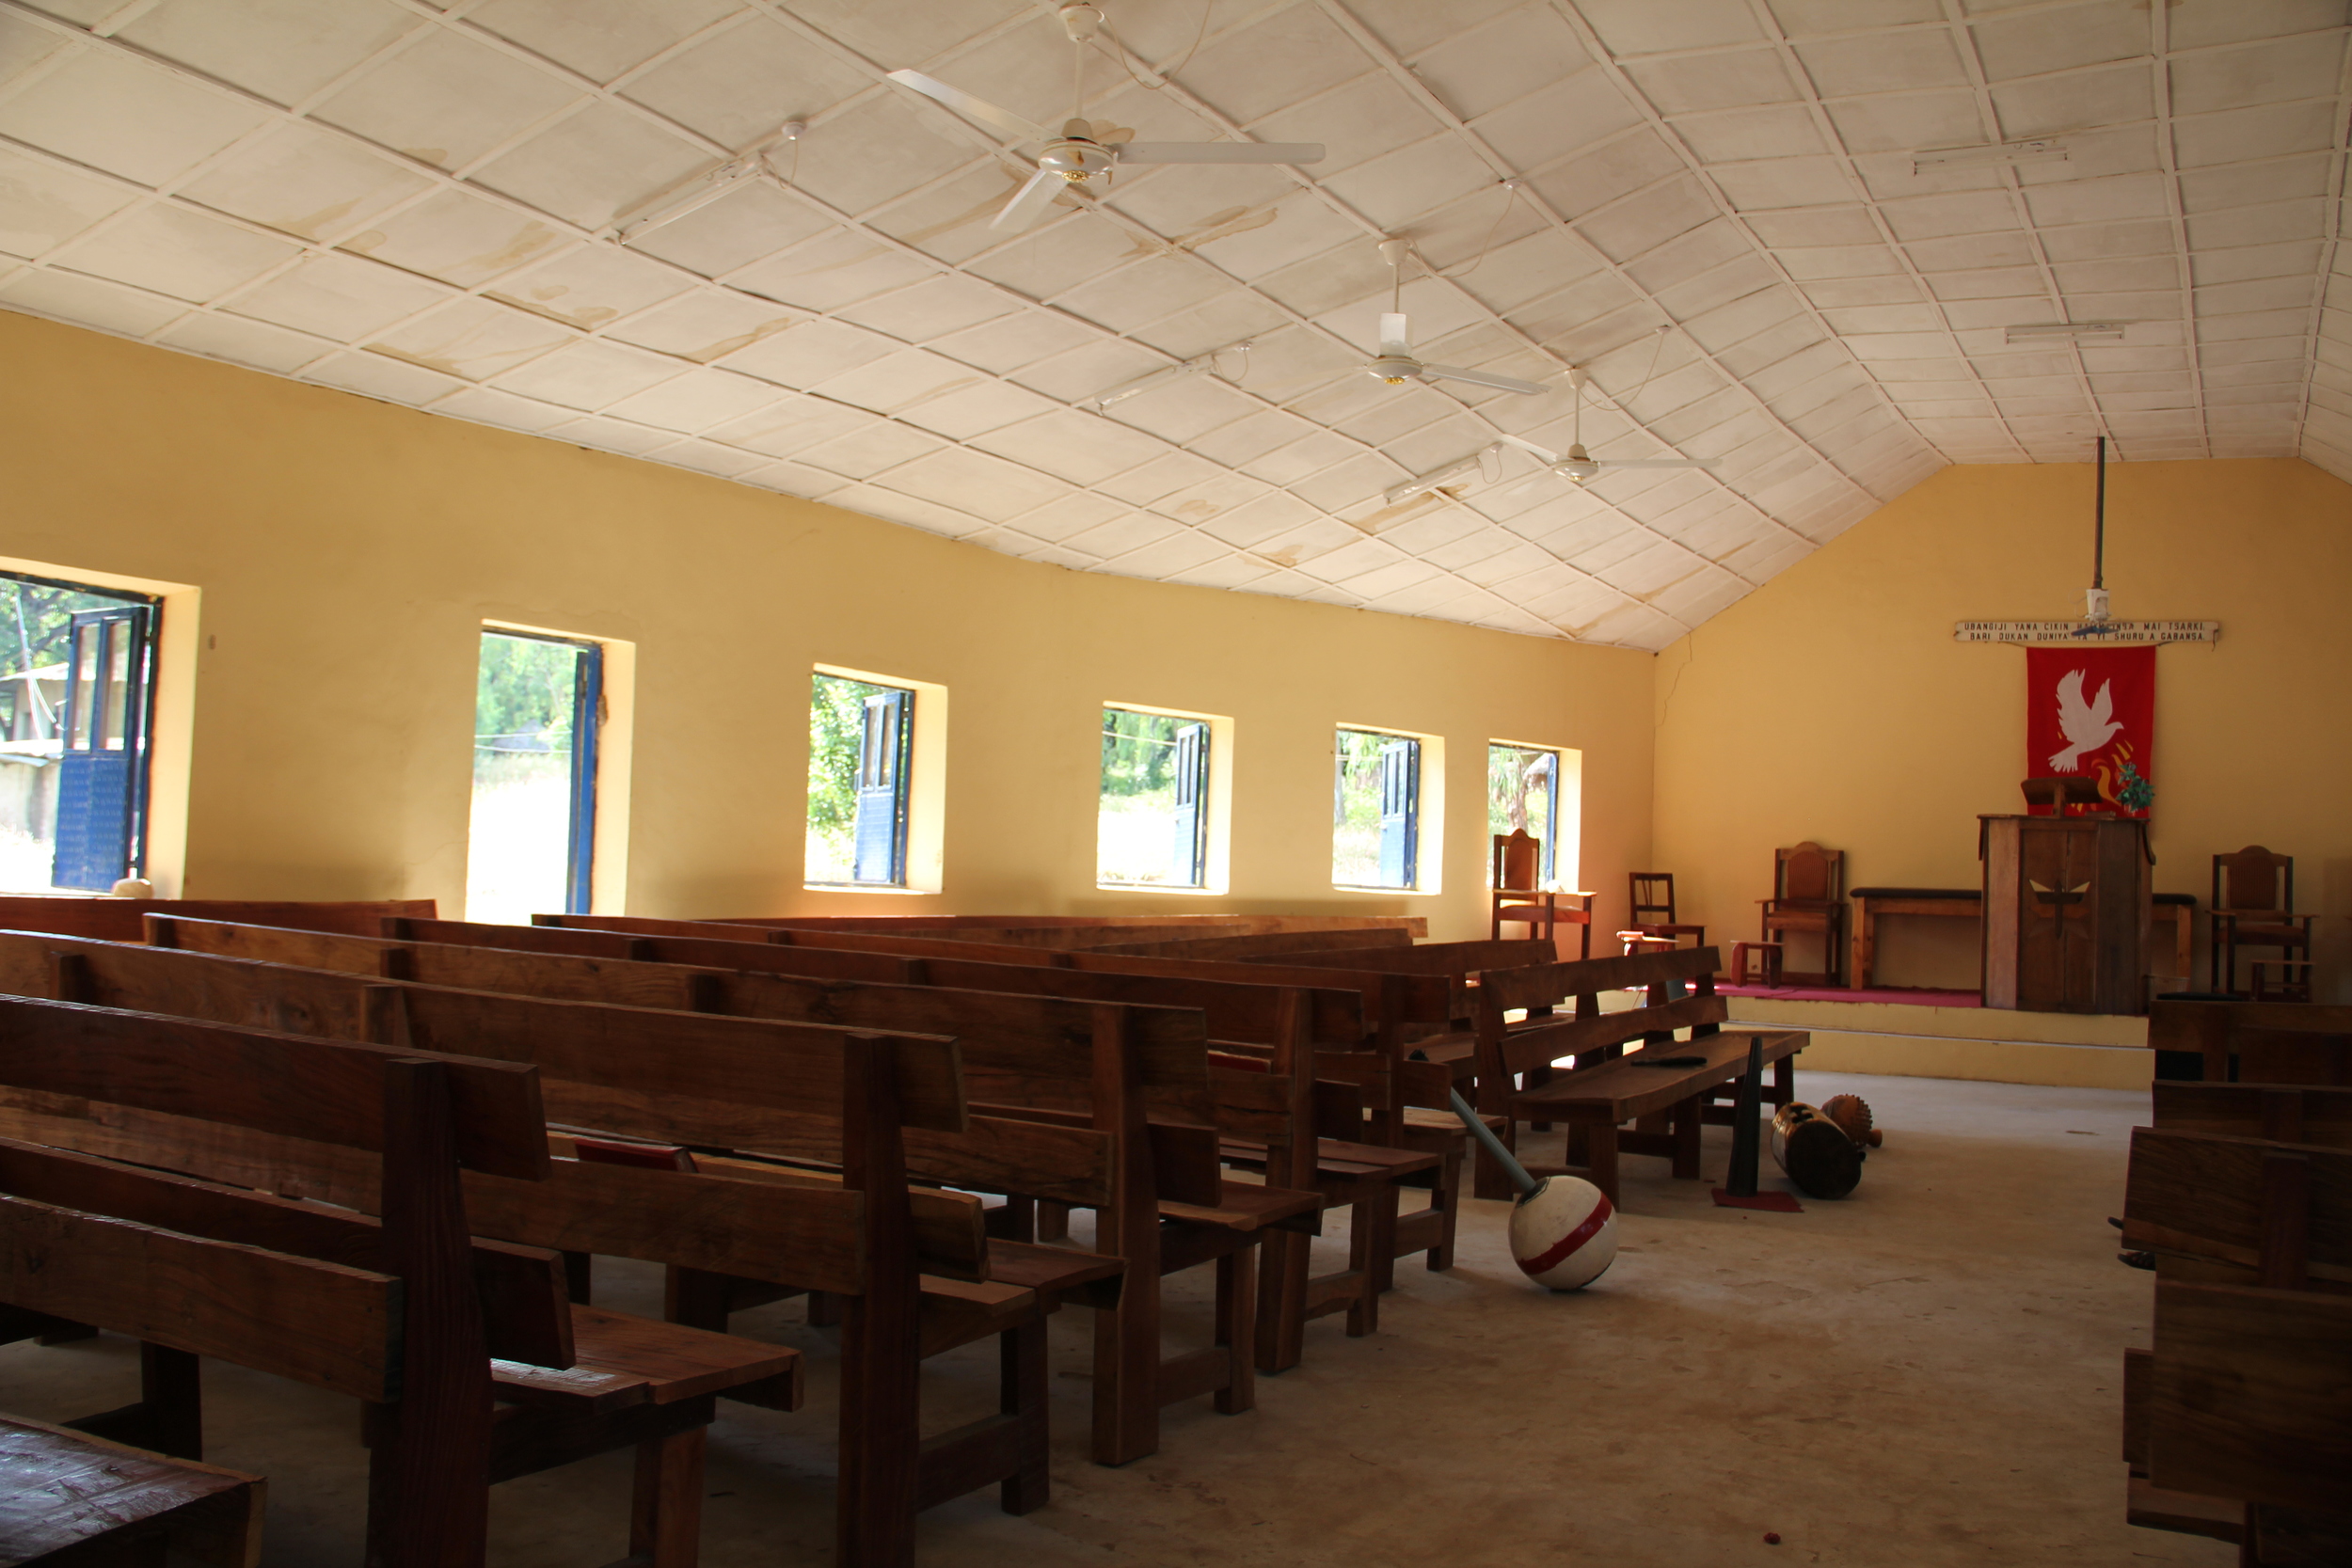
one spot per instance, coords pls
(1190, 859)
(881, 793)
(587, 709)
(1399, 812)
(105, 760)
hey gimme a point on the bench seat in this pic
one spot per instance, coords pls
(66, 1491)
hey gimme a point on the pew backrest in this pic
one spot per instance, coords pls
(1681, 995)
(2281, 1113)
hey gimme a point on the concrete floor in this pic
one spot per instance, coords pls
(1923, 1374)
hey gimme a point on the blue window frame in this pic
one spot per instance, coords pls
(538, 707)
(1375, 810)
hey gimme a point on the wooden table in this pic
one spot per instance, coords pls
(1968, 903)
(1870, 903)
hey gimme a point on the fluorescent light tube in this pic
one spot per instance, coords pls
(1999, 155)
(2076, 331)
(693, 196)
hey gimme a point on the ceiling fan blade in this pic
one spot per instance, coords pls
(977, 108)
(1395, 340)
(1543, 454)
(1655, 463)
(1221, 153)
(1030, 202)
(1484, 378)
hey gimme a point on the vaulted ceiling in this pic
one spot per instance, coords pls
(1740, 216)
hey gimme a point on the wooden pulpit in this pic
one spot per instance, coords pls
(2066, 912)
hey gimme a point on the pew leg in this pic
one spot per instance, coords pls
(1488, 1179)
(1052, 1221)
(666, 1514)
(695, 1298)
(1127, 1371)
(1282, 1301)
(1236, 1318)
(1372, 1249)
(1784, 1082)
(1601, 1167)
(171, 1386)
(1536, 1078)
(824, 1309)
(1686, 1119)
(1016, 1221)
(579, 1277)
(1445, 1196)
(1023, 1387)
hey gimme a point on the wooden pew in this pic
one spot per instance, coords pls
(2246, 1399)
(1039, 1060)
(915, 925)
(72, 1496)
(117, 919)
(1252, 1116)
(2280, 1113)
(404, 1313)
(1261, 944)
(1604, 1090)
(1407, 1100)
(2274, 1042)
(735, 1080)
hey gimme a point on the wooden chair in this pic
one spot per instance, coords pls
(1808, 898)
(73, 1498)
(1518, 898)
(404, 1312)
(2253, 900)
(1651, 895)
(2237, 1416)
(1602, 1091)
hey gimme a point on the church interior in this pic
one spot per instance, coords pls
(675, 673)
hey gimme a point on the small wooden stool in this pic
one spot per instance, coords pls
(2292, 981)
(1642, 942)
(1767, 956)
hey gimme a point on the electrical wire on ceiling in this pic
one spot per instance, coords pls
(1510, 199)
(1123, 51)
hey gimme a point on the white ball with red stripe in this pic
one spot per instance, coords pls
(1564, 1234)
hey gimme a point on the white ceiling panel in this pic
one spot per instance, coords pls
(1713, 209)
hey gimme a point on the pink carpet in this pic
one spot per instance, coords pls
(1909, 996)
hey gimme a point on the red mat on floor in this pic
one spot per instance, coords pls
(1776, 1203)
(1912, 996)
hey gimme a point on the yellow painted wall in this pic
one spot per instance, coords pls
(1833, 705)
(346, 553)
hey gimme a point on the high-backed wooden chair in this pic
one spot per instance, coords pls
(2253, 897)
(1651, 899)
(1520, 899)
(1809, 898)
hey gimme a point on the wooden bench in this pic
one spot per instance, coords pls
(2272, 1042)
(1606, 1088)
(1041, 1062)
(2244, 1404)
(70, 1498)
(404, 1313)
(718, 1082)
(915, 924)
(2280, 1113)
(117, 919)
(1239, 1000)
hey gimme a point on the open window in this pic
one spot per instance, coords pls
(1377, 810)
(1156, 822)
(861, 782)
(531, 845)
(1535, 789)
(78, 713)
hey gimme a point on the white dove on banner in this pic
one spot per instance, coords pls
(2087, 726)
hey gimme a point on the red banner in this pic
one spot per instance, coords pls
(2091, 713)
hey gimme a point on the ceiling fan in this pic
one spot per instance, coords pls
(1396, 364)
(1084, 148)
(1575, 464)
